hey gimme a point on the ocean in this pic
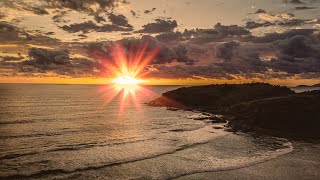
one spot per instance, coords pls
(103, 132)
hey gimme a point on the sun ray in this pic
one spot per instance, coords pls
(127, 66)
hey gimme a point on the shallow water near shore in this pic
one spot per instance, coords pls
(65, 131)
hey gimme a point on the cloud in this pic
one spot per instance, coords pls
(270, 37)
(133, 13)
(159, 26)
(149, 11)
(275, 17)
(36, 10)
(58, 61)
(294, 53)
(169, 36)
(260, 11)
(119, 20)
(99, 19)
(111, 27)
(46, 57)
(90, 26)
(203, 36)
(233, 30)
(295, 2)
(297, 47)
(58, 18)
(304, 7)
(292, 22)
(11, 58)
(298, 55)
(253, 24)
(8, 32)
(165, 54)
(227, 50)
(89, 6)
(85, 27)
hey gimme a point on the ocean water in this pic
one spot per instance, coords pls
(303, 89)
(103, 132)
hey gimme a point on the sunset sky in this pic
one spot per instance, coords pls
(196, 41)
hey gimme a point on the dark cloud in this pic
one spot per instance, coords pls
(112, 27)
(253, 24)
(11, 33)
(250, 66)
(40, 56)
(159, 26)
(8, 32)
(233, 30)
(58, 18)
(41, 39)
(292, 22)
(304, 7)
(89, 26)
(295, 1)
(297, 47)
(217, 70)
(270, 37)
(50, 33)
(36, 10)
(169, 36)
(119, 20)
(149, 11)
(85, 27)
(259, 11)
(133, 13)
(99, 19)
(280, 19)
(286, 22)
(165, 53)
(58, 61)
(227, 50)
(90, 6)
(244, 66)
(294, 53)
(218, 33)
(181, 52)
(11, 58)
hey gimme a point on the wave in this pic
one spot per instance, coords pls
(17, 122)
(65, 171)
(210, 165)
(73, 147)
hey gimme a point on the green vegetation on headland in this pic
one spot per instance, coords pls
(252, 107)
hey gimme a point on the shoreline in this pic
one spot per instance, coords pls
(302, 163)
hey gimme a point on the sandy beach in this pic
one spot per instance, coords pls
(302, 163)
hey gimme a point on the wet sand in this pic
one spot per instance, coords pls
(302, 163)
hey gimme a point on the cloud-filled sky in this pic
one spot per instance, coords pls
(197, 41)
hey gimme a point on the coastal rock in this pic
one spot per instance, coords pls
(216, 98)
(258, 107)
(295, 115)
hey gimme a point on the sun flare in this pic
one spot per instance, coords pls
(126, 80)
(127, 64)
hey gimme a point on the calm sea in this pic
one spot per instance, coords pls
(102, 132)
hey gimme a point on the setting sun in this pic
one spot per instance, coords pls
(126, 80)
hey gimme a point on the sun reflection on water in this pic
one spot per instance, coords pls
(126, 95)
